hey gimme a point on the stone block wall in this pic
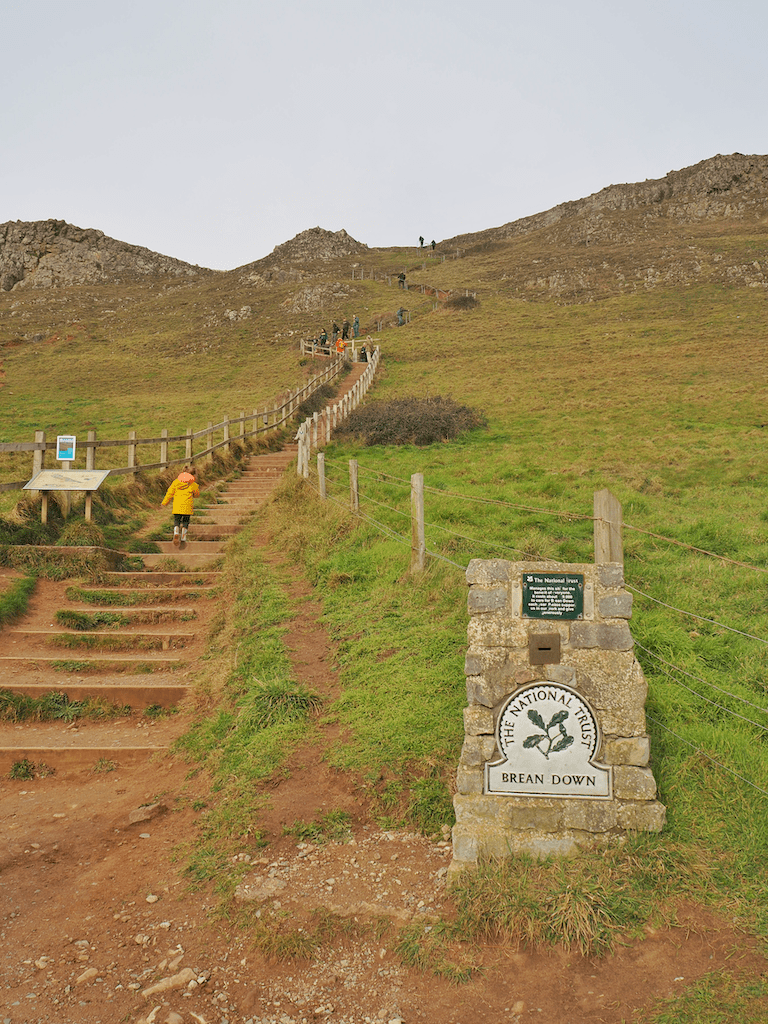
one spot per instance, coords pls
(596, 661)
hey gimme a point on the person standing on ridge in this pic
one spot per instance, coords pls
(345, 329)
(356, 326)
(183, 491)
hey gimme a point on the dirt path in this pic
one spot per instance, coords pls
(95, 910)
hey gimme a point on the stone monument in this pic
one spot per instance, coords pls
(556, 754)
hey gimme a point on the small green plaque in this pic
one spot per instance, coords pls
(553, 595)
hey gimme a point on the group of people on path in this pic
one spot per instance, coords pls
(339, 336)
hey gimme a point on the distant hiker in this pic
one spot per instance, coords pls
(421, 241)
(335, 332)
(340, 346)
(434, 243)
(363, 355)
(324, 339)
(345, 329)
(401, 278)
(356, 326)
(183, 490)
(400, 318)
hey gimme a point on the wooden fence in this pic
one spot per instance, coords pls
(316, 430)
(260, 421)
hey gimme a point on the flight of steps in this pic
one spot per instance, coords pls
(141, 648)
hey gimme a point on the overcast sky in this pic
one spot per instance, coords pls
(214, 131)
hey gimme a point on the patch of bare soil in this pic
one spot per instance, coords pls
(99, 925)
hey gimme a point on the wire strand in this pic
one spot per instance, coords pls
(693, 615)
(708, 756)
(700, 679)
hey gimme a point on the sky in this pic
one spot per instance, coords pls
(214, 130)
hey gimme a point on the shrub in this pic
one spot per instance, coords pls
(419, 421)
(462, 302)
(81, 534)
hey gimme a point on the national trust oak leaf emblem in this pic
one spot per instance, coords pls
(547, 742)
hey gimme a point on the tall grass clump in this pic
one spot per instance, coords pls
(15, 598)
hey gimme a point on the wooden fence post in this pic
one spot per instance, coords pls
(307, 444)
(131, 449)
(300, 452)
(327, 424)
(608, 523)
(354, 490)
(164, 448)
(226, 432)
(90, 451)
(188, 443)
(38, 455)
(418, 542)
(321, 474)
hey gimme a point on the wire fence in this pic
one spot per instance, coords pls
(388, 513)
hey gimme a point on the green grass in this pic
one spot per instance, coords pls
(258, 713)
(334, 826)
(651, 393)
(15, 599)
(717, 998)
(53, 706)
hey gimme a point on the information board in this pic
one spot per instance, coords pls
(67, 480)
(553, 595)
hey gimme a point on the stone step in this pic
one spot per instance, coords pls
(104, 639)
(212, 531)
(151, 613)
(138, 696)
(152, 579)
(191, 560)
(63, 758)
(120, 597)
(201, 547)
(145, 664)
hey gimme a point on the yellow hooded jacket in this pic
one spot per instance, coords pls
(183, 493)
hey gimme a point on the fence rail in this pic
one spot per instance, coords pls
(261, 421)
(316, 430)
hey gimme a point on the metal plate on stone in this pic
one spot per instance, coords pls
(553, 595)
(67, 480)
(544, 648)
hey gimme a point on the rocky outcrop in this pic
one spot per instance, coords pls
(308, 247)
(52, 253)
(731, 187)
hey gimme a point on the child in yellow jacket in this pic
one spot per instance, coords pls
(183, 491)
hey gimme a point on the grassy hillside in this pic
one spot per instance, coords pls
(656, 392)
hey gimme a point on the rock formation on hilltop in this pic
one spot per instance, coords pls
(49, 253)
(731, 187)
(664, 232)
(306, 247)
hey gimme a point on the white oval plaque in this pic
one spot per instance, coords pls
(548, 736)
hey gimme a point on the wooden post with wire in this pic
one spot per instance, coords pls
(418, 542)
(354, 490)
(608, 523)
